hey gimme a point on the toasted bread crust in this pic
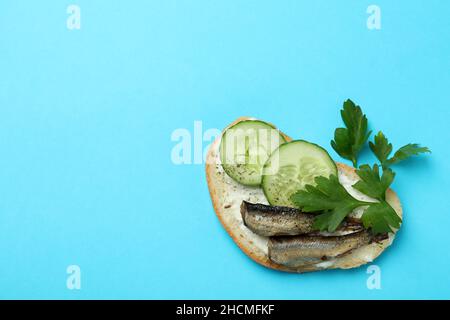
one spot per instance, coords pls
(226, 196)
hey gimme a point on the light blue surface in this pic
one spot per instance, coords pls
(86, 117)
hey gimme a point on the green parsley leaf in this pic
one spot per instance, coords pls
(335, 203)
(382, 149)
(411, 149)
(380, 217)
(330, 196)
(371, 184)
(349, 141)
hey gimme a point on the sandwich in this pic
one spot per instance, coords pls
(290, 207)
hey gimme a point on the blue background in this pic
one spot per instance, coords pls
(86, 118)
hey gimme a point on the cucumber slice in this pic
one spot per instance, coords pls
(292, 166)
(245, 147)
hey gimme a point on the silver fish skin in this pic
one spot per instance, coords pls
(275, 221)
(305, 250)
(267, 221)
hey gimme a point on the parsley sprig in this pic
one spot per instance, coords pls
(382, 149)
(333, 202)
(330, 197)
(349, 141)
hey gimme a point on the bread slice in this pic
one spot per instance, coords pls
(227, 196)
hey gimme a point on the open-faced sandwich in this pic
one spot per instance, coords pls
(290, 207)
